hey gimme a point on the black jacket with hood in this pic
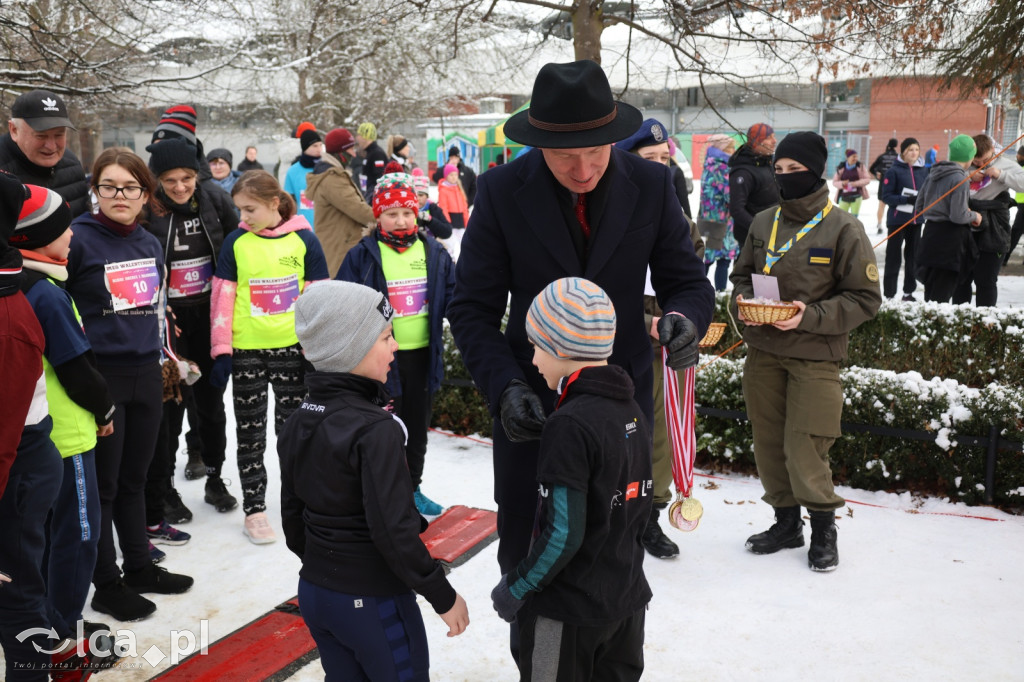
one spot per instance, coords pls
(346, 497)
(752, 189)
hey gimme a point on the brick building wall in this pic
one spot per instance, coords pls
(916, 107)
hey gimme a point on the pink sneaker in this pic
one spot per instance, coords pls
(257, 527)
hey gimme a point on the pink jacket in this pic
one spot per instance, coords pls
(862, 183)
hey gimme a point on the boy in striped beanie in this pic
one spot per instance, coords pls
(571, 325)
(579, 596)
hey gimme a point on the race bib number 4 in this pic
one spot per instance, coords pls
(190, 277)
(408, 296)
(273, 296)
(133, 283)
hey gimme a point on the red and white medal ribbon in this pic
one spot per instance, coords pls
(680, 417)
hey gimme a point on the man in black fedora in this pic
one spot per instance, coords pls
(35, 148)
(573, 206)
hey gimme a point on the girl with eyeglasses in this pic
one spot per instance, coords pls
(115, 272)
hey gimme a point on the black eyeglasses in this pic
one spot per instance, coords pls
(130, 192)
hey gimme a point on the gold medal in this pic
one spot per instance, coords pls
(692, 509)
(685, 513)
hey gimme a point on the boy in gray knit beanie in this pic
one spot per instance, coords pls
(347, 504)
(338, 323)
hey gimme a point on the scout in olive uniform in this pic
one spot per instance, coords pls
(823, 262)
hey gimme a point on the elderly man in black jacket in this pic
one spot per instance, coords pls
(574, 206)
(35, 148)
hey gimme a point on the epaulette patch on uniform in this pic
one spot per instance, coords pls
(819, 256)
(872, 272)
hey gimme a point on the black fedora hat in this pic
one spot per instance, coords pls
(572, 106)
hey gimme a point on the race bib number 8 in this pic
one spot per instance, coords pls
(273, 295)
(133, 283)
(408, 296)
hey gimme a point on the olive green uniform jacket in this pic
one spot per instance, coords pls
(832, 270)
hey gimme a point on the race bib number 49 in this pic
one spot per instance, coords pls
(133, 283)
(190, 277)
(273, 295)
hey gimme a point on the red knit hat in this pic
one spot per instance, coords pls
(394, 193)
(339, 140)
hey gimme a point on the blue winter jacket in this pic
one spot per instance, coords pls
(362, 265)
(898, 176)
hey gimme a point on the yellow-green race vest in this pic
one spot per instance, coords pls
(271, 275)
(74, 428)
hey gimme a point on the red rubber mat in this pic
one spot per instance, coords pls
(459, 533)
(271, 647)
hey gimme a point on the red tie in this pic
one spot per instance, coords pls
(581, 214)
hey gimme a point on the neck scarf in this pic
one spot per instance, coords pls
(51, 267)
(399, 240)
(120, 229)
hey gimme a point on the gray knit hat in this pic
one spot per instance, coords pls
(338, 322)
(572, 318)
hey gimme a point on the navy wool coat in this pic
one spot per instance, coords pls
(518, 241)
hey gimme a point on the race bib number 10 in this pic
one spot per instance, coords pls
(133, 283)
(273, 295)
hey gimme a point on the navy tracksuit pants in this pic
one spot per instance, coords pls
(366, 639)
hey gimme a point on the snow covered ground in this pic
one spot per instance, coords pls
(926, 589)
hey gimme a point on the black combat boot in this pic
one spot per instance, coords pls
(655, 541)
(787, 532)
(195, 468)
(823, 555)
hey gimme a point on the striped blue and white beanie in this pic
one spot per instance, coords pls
(572, 318)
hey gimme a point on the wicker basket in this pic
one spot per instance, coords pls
(766, 313)
(713, 336)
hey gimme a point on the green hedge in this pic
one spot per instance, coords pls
(973, 346)
(976, 351)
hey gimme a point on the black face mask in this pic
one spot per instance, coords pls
(798, 184)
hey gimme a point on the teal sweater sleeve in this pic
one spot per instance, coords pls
(566, 518)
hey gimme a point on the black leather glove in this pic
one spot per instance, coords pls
(221, 371)
(505, 604)
(679, 336)
(522, 414)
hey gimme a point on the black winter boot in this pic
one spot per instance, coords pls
(823, 554)
(195, 468)
(787, 532)
(217, 494)
(655, 541)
